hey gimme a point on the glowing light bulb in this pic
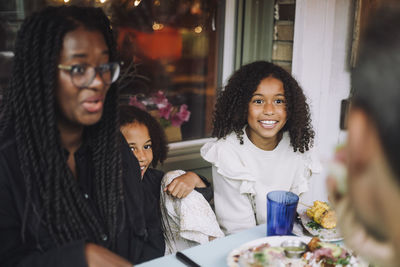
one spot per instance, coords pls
(137, 2)
(157, 26)
(103, 1)
(198, 29)
(66, 1)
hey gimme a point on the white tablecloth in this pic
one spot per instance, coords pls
(212, 254)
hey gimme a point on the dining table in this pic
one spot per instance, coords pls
(213, 253)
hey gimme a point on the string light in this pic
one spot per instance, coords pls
(103, 1)
(66, 1)
(137, 2)
(157, 26)
(198, 29)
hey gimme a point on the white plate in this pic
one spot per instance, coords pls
(326, 235)
(274, 241)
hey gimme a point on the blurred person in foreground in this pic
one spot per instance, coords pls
(368, 209)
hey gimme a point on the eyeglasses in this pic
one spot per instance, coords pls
(82, 75)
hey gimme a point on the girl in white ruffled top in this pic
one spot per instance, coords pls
(264, 136)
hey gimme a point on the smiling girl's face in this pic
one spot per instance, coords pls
(267, 113)
(138, 138)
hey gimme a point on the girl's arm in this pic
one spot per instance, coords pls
(181, 186)
(206, 191)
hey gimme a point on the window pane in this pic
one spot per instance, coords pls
(172, 46)
(168, 46)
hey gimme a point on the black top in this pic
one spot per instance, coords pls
(39, 249)
(155, 245)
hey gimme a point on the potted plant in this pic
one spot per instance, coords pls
(170, 117)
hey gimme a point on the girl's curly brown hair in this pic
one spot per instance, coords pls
(230, 114)
(159, 144)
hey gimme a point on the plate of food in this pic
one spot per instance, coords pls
(283, 251)
(320, 221)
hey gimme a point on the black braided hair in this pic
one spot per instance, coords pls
(231, 109)
(130, 114)
(29, 112)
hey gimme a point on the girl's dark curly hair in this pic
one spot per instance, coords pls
(29, 113)
(131, 114)
(231, 110)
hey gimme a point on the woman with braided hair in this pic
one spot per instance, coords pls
(69, 191)
(263, 126)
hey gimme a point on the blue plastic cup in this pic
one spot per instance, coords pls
(281, 212)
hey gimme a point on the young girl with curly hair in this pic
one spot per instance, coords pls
(176, 217)
(264, 136)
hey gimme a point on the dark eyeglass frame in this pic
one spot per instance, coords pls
(97, 69)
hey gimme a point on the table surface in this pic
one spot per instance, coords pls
(212, 254)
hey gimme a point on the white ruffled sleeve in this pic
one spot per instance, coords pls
(310, 165)
(229, 163)
(234, 185)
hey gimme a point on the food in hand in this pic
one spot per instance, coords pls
(338, 171)
(322, 214)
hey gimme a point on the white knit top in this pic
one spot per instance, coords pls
(244, 174)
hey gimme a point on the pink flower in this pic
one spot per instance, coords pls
(176, 120)
(160, 100)
(183, 115)
(134, 102)
(165, 112)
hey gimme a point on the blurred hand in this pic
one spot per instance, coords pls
(357, 238)
(181, 186)
(98, 256)
(337, 176)
(355, 234)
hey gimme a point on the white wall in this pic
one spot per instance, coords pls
(322, 38)
(229, 40)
